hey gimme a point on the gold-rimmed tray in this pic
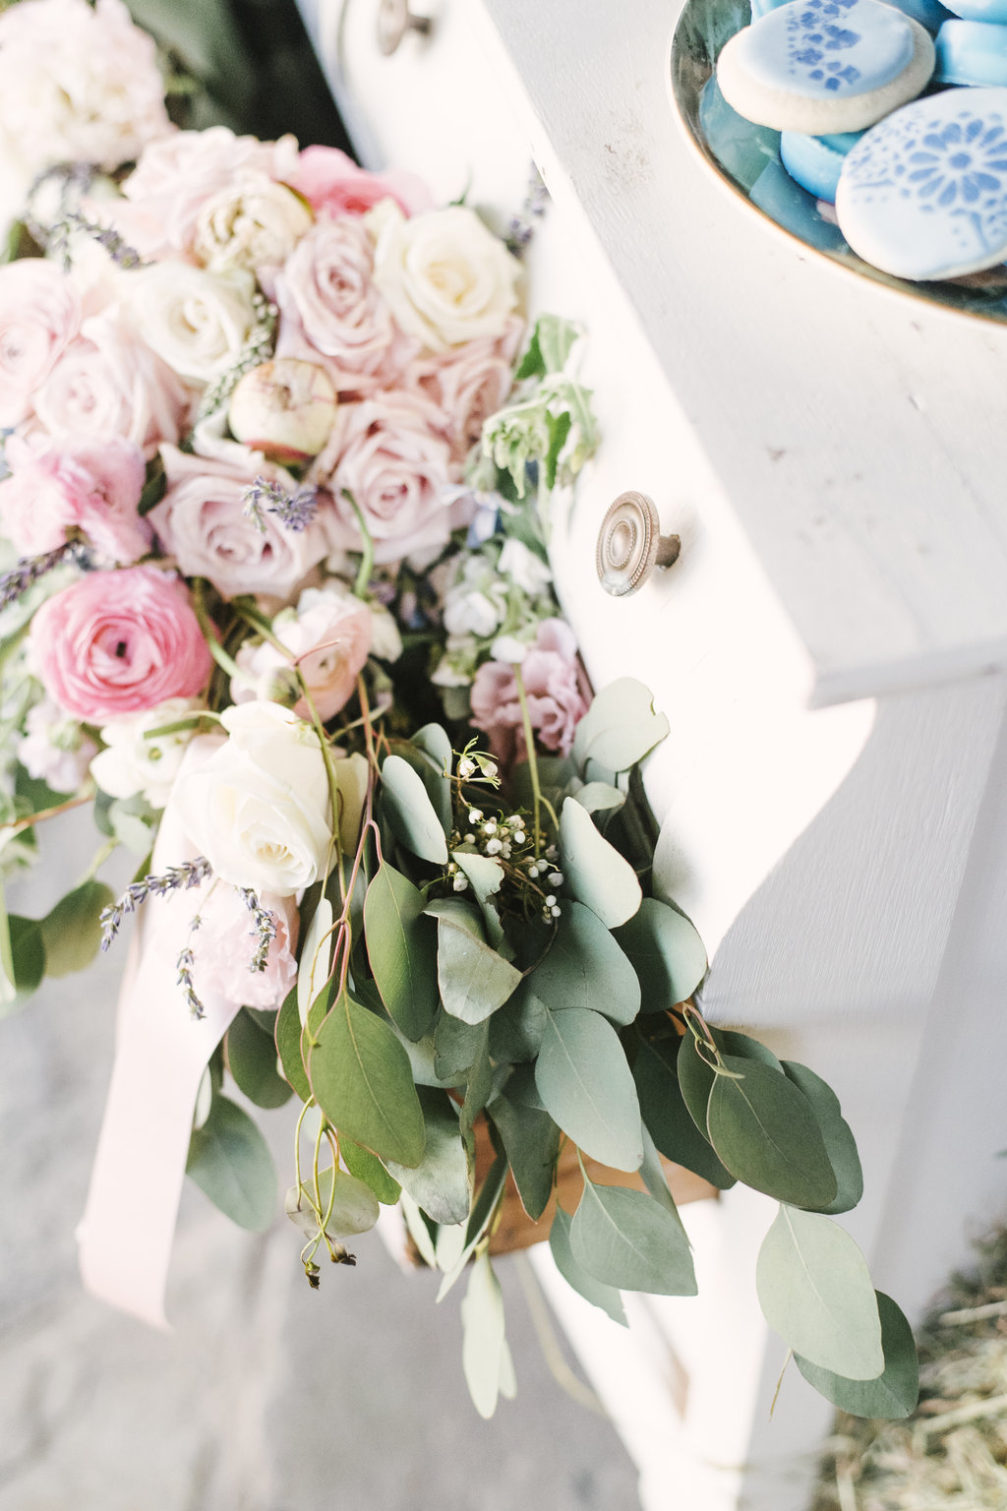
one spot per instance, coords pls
(747, 158)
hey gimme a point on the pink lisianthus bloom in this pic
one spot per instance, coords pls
(554, 688)
(54, 749)
(469, 383)
(330, 634)
(392, 456)
(109, 382)
(115, 643)
(332, 182)
(330, 307)
(91, 486)
(40, 314)
(201, 522)
(225, 943)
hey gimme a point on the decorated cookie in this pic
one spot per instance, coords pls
(825, 66)
(971, 52)
(980, 10)
(815, 161)
(929, 13)
(924, 194)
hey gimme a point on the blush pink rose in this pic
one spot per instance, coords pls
(329, 305)
(40, 314)
(330, 181)
(201, 522)
(330, 634)
(108, 382)
(91, 486)
(225, 942)
(176, 176)
(116, 643)
(469, 383)
(554, 688)
(392, 456)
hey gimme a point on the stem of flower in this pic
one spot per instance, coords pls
(37, 818)
(529, 740)
(366, 567)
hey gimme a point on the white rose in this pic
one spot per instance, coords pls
(253, 223)
(259, 808)
(471, 613)
(509, 648)
(445, 275)
(525, 570)
(131, 764)
(199, 322)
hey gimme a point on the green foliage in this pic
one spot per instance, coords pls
(485, 1355)
(628, 1240)
(473, 979)
(815, 1290)
(361, 1079)
(368, 1168)
(231, 1163)
(585, 967)
(251, 1059)
(402, 950)
(71, 932)
(596, 1291)
(23, 959)
(410, 812)
(348, 1205)
(894, 1394)
(620, 728)
(596, 873)
(441, 1184)
(288, 1045)
(666, 1116)
(764, 1132)
(666, 952)
(587, 1088)
(531, 1141)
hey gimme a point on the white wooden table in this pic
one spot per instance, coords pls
(831, 650)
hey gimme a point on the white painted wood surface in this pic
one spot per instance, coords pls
(828, 648)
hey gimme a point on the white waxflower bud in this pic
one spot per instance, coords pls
(556, 911)
(466, 767)
(460, 883)
(519, 836)
(493, 847)
(556, 879)
(550, 901)
(474, 815)
(533, 871)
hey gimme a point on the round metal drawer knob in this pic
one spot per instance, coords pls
(630, 544)
(394, 20)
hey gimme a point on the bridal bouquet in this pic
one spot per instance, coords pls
(279, 452)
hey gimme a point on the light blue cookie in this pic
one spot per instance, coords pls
(980, 10)
(924, 194)
(929, 13)
(815, 162)
(825, 66)
(971, 52)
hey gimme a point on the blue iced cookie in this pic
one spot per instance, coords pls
(816, 161)
(822, 67)
(924, 194)
(929, 13)
(971, 52)
(980, 10)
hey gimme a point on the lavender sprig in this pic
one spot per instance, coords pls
(185, 963)
(521, 228)
(258, 349)
(265, 928)
(295, 511)
(177, 878)
(15, 583)
(118, 249)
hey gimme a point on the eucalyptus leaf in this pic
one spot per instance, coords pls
(456, 1046)
(354, 1206)
(731, 1042)
(666, 952)
(288, 1045)
(485, 876)
(765, 1134)
(411, 813)
(479, 1084)
(230, 1162)
(599, 797)
(483, 1340)
(695, 1079)
(584, 967)
(251, 1058)
(531, 1142)
(895, 1393)
(604, 1296)
(434, 741)
(368, 1168)
(838, 1136)
(473, 979)
(28, 961)
(486, 1203)
(596, 873)
(620, 727)
(654, 1178)
(666, 1116)
(587, 1088)
(628, 1240)
(516, 1029)
(815, 1290)
(402, 950)
(418, 1230)
(360, 1076)
(431, 774)
(72, 932)
(441, 1184)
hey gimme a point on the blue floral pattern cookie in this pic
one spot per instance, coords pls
(923, 195)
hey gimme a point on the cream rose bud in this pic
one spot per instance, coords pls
(259, 808)
(132, 765)
(446, 277)
(253, 223)
(285, 408)
(198, 322)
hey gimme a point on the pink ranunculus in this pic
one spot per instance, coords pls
(109, 382)
(392, 456)
(201, 521)
(332, 182)
(553, 687)
(329, 305)
(225, 943)
(115, 643)
(40, 314)
(91, 486)
(469, 383)
(176, 176)
(330, 634)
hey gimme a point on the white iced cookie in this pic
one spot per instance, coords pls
(823, 67)
(924, 194)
